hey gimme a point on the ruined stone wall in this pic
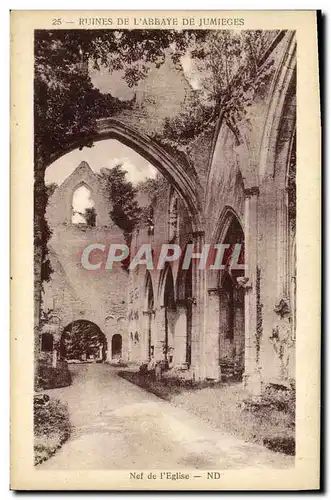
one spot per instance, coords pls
(74, 292)
(243, 170)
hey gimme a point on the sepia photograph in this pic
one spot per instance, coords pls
(165, 208)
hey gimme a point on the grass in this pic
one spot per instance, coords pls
(165, 389)
(51, 426)
(228, 407)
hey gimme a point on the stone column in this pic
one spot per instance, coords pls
(144, 348)
(54, 358)
(198, 310)
(180, 335)
(159, 338)
(148, 319)
(252, 376)
(281, 245)
(239, 325)
(212, 338)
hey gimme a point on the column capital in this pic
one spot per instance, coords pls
(252, 191)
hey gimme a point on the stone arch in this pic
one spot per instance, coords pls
(228, 299)
(281, 116)
(167, 270)
(82, 340)
(149, 300)
(180, 175)
(226, 217)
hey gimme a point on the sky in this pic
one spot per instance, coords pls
(107, 154)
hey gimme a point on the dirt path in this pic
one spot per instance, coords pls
(118, 425)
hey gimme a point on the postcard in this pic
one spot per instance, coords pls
(165, 278)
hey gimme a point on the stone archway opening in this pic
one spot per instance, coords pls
(83, 341)
(116, 346)
(180, 175)
(232, 305)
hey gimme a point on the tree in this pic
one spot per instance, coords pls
(81, 338)
(125, 211)
(90, 216)
(232, 70)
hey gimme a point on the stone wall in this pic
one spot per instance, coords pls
(74, 292)
(242, 176)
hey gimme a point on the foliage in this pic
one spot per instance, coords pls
(50, 188)
(232, 71)
(67, 106)
(80, 339)
(152, 189)
(125, 211)
(90, 216)
(42, 197)
(53, 378)
(46, 316)
(66, 103)
(51, 426)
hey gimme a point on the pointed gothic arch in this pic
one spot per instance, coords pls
(178, 171)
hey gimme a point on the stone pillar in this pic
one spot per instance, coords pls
(180, 335)
(147, 340)
(281, 245)
(198, 364)
(212, 338)
(159, 338)
(252, 375)
(144, 336)
(239, 325)
(225, 343)
(54, 358)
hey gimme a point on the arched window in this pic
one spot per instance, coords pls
(83, 210)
